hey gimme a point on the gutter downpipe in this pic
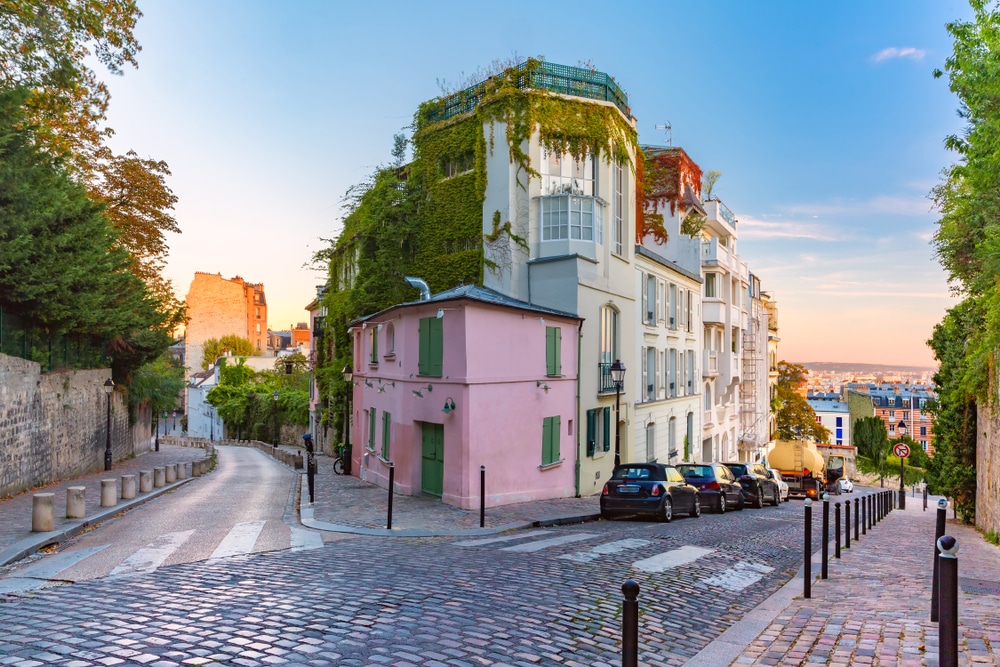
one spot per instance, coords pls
(579, 358)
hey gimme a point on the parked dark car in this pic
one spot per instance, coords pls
(648, 488)
(758, 484)
(716, 485)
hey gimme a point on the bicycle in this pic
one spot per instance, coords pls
(338, 463)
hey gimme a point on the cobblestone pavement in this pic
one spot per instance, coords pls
(875, 607)
(15, 511)
(534, 597)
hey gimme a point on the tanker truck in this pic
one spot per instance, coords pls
(806, 470)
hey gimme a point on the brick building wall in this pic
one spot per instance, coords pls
(52, 425)
(217, 307)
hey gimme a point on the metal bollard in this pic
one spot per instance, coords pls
(836, 531)
(925, 496)
(310, 466)
(392, 478)
(948, 613)
(847, 525)
(864, 518)
(630, 624)
(871, 511)
(857, 517)
(942, 518)
(482, 496)
(825, 548)
(807, 574)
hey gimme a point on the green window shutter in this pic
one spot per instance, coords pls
(607, 429)
(386, 430)
(436, 346)
(553, 351)
(550, 440)
(423, 363)
(374, 345)
(591, 432)
(371, 429)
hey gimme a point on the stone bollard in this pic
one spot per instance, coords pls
(145, 481)
(42, 519)
(170, 473)
(159, 477)
(182, 471)
(76, 504)
(128, 487)
(109, 493)
(196, 468)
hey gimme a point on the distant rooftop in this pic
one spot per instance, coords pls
(538, 75)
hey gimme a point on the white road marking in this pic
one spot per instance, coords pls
(505, 538)
(153, 555)
(605, 549)
(305, 539)
(538, 545)
(39, 574)
(239, 541)
(668, 559)
(739, 576)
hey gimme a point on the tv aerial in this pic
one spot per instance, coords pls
(669, 130)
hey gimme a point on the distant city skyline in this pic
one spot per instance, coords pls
(824, 120)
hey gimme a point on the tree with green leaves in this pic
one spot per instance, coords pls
(872, 440)
(794, 419)
(213, 348)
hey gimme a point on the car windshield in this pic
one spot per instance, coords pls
(696, 471)
(738, 469)
(635, 472)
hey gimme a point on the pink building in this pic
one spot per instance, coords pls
(463, 379)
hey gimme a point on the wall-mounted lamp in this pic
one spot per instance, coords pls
(449, 405)
(440, 312)
(417, 393)
(543, 385)
(541, 320)
(368, 383)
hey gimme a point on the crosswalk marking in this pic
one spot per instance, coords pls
(239, 541)
(739, 576)
(504, 538)
(153, 555)
(605, 549)
(538, 545)
(669, 559)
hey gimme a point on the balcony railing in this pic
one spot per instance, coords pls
(607, 383)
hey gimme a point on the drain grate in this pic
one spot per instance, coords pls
(979, 586)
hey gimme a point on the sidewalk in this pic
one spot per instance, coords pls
(16, 538)
(875, 607)
(345, 504)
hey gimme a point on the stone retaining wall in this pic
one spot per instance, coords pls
(988, 469)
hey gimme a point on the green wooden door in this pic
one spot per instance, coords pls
(432, 459)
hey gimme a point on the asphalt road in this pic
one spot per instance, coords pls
(541, 597)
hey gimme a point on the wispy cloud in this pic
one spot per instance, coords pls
(899, 52)
(755, 229)
(915, 205)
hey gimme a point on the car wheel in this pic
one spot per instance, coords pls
(776, 498)
(760, 497)
(696, 512)
(722, 502)
(667, 511)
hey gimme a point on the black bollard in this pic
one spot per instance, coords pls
(871, 511)
(630, 624)
(392, 479)
(807, 574)
(482, 496)
(857, 517)
(847, 525)
(825, 548)
(310, 466)
(836, 529)
(864, 517)
(948, 612)
(925, 496)
(942, 518)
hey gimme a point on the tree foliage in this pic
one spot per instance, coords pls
(872, 441)
(213, 348)
(244, 398)
(794, 419)
(159, 382)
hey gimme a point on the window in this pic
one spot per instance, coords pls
(390, 340)
(734, 339)
(617, 207)
(840, 422)
(690, 310)
(609, 335)
(672, 322)
(553, 351)
(569, 217)
(708, 397)
(690, 376)
(258, 313)
(892, 428)
(373, 345)
(565, 174)
(458, 165)
(386, 431)
(892, 414)
(923, 444)
(711, 288)
(550, 440)
(431, 347)
(649, 300)
(649, 373)
(258, 328)
(673, 373)
(371, 429)
(598, 430)
(923, 430)
(671, 439)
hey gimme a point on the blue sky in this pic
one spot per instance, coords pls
(823, 118)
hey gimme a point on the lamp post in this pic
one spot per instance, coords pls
(618, 377)
(109, 386)
(346, 456)
(275, 397)
(901, 429)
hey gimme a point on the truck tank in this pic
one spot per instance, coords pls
(783, 457)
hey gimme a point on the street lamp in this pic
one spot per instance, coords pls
(275, 397)
(618, 377)
(901, 429)
(109, 386)
(346, 456)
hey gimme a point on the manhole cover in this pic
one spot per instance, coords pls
(979, 586)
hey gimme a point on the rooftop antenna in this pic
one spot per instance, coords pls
(669, 130)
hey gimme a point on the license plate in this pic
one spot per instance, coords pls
(628, 488)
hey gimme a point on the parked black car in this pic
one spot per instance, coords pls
(716, 485)
(648, 488)
(758, 484)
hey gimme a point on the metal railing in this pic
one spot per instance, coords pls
(24, 338)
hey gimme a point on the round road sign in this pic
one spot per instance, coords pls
(901, 449)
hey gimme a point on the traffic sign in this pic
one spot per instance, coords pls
(901, 450)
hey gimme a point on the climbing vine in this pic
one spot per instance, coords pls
(669, 178)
